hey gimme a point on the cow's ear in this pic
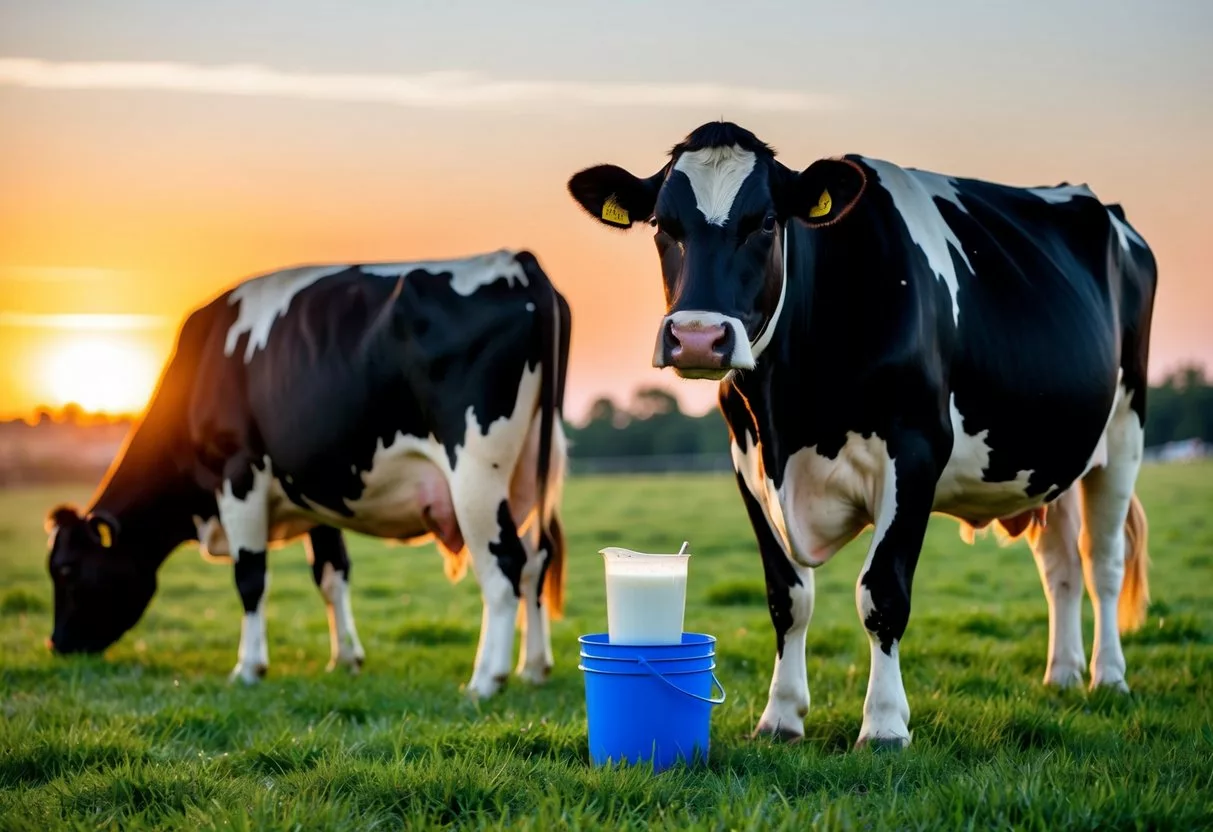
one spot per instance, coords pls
(615, 197)
(60, 516)
(825, 191)
(104, 528)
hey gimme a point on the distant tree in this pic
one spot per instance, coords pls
(72, 414)
(1181, 407)
(653, 424)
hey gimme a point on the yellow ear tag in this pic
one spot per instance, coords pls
(823, 206)
(612, 211)
(107, 537)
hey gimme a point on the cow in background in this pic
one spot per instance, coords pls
(410, 401)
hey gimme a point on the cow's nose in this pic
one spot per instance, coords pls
(695, 346)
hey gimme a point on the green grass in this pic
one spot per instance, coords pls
(152, 737)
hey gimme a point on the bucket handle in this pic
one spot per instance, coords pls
(706, 699)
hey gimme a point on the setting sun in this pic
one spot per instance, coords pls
(101, 372)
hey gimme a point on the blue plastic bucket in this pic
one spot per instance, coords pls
(649, 703)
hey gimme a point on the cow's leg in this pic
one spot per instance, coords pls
(479, 495)
(1056, 553)
(882, 593)
(243, 512)
(790, 603)
(1107, 493)
(535, 657)
(330, 562)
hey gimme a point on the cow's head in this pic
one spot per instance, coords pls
(721, 207)
(101, 585)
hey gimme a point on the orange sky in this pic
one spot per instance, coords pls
(135, 189)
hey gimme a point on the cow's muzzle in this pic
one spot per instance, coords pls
(702, 345)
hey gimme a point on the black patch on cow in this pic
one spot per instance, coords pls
(328, 547)
(890, 575)
(509, 551)
(250, 578)
(780, 576)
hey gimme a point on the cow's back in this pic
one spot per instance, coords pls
(1046, 322)
(360, 357)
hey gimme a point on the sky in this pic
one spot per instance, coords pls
(154, 152)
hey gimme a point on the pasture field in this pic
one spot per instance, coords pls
(153, 737)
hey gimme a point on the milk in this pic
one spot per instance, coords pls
(646, 596)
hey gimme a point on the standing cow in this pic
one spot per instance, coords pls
(407, 401)
(893, 343)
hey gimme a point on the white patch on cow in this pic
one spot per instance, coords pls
(788, 697)
(741, 357)
(827, 502)
(716, 175)
(938, 185)
(1124, 232)
(1062, 193)
(912, 193)
(345, 648)
(405, 476)
(961, 491)
(265, 298)
(245, 519)
(886, 711)
(253, 657)
(467, 275)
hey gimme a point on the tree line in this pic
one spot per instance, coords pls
(653, 424)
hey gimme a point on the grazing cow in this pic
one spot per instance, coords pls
(892, 343)
(408, 401)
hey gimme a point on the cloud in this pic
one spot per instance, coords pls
(452, 90)
(103, 322)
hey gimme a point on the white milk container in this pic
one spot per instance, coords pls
(646, 596)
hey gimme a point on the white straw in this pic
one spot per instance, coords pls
(683, 550)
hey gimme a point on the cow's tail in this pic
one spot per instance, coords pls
(1135, 591)
(554, 320)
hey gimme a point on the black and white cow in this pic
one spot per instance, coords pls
(893, 343)
(410, 401)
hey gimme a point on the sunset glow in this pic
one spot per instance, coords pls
(151, 158)
(101, 372)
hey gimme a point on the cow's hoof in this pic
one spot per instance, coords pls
(535, 674)
(1063, 677)
(883, 743)
(778, 733)
(486, 687)
(1117, 685)
(352, 663)
(249, 674)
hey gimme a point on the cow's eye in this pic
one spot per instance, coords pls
(768, 224)
(670, 227)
